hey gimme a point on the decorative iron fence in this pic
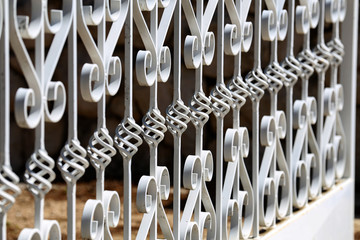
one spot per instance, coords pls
(300, 157)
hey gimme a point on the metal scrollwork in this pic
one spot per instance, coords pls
(274, 172)
(32, 104)
(8, 179)
(284, 183)
(199, 49)
(306, 158)
(326, 104)
(335, 12)
(98, 79)
(256, 82)
(236, 142)
(177, 118)
(291, 71)
(153, 65)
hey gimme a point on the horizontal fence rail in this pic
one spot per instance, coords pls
(298, 148)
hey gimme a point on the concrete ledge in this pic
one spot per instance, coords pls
(331, 217)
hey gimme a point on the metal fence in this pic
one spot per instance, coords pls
(302, 159)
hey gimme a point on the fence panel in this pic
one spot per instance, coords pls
(300, 183)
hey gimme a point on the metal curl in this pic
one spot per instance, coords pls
(8, 189)
(257, 82)
(127, 139)
(221, 100)
(177, 117)
(39, 172)
(200, 109)
(154, 127)
(100, 149)
(72, 162)
(239, 91)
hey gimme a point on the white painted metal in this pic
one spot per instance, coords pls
(72, 162)
(39, 168)
(199, 50)
(153, 65)
(8, 179)
(305, 113)
(177, 119)
(257, 82)
(273, 128)
(285, 192)
(239, 203)
(105, 75)
(127, 133)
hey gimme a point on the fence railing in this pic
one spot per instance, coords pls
(296, 155)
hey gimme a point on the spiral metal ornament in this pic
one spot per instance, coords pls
(335, 12)
(257, 82)
(292, 70)
(221, 100)
(308, 62)
(275, 75)
(177, 117)
(153, 127)
(100, 149)
(337, 50)
(239, 91)
(72, 162)
(200, 109)
(323, 57)
(127, 139)
(8, 189)
(39, 172)
(306, 153)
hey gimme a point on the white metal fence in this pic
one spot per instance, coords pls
(312, 173)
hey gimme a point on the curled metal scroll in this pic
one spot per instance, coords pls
(199, 49)
(9, 189)
(307, 163)
(153, 65)
(198, 171)
(31, 104)
(238, 205)
(274, 171)
(335, 12)
(329, 10)
(100, 78)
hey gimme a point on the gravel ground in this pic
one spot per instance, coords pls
(55, 208)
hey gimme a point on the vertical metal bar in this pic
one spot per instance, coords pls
(257, 39)
(40, 129)
(177, 187)
(127, 198)
(255, 164)
(3, 225)
(72, 120)
(71, 211)
(128, 114)
(101, 34)
(177, 139)
(349, 36)
(5, 89)
(219, 122)
(348, 78)
(39, 62)
(72, 82)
